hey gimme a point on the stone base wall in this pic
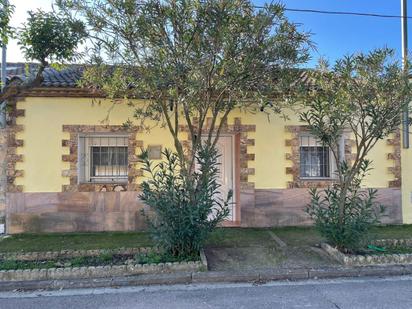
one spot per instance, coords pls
(121, 211)
(73, 212)
(3, 169)
(285, 207)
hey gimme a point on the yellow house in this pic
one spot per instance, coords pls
(69, 170)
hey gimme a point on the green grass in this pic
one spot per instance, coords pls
(293, 236)
(298, 236)
(101, 260)
(238, 237)
(222, 237)
(74, 241)
(156, 258)
(392, 232)
(243, 237)
(14, 265)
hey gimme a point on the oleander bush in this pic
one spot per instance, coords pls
(347, 227)
(184, 206)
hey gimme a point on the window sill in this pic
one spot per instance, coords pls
(317, 179)
(114, 183)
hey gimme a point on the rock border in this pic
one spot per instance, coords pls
(98, 271)
(393, 242)
(373, 259)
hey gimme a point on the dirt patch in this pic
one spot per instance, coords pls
(267, 254)
(305, 257)
(243, 258)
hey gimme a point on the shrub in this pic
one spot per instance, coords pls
(348, 230)
(359, 98)
(184, 206)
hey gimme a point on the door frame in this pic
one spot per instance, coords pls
(235, 222)
(236, 169)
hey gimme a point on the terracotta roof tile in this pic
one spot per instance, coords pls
(67, 77)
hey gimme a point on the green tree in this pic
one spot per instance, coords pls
(46, 37)
(6, 31)
(49, 37)
(190, 60)
(362, 96)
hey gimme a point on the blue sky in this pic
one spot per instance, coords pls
(337, 35)
(334, 35)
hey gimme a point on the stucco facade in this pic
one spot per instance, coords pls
(406, 188)
(45, 195)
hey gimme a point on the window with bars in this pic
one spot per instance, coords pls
(103, 159)
(315, 159)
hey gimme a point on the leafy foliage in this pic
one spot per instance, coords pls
(361, 97)
(193, 62)
(360, 212)
(190, 59)
(6, 31)
(49, 37)
(45, 37)
(184, 210)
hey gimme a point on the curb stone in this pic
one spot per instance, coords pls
(380, 271)
(225, 276)
(333, 273)
(210, 277)
(203, 259)
(284, 274)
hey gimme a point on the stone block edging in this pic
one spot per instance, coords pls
(374, 259)
(203, 260)
(100, 271)
(393, 242)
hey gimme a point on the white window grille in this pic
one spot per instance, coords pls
(103, 158)
(316, 160)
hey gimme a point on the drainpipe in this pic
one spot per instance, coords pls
(3, 78)
(3, 148)
(3, 84)
(404, 28)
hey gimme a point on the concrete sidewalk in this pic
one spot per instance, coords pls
(256, 277)
(348, 293)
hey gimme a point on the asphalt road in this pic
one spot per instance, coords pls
(364, 293)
